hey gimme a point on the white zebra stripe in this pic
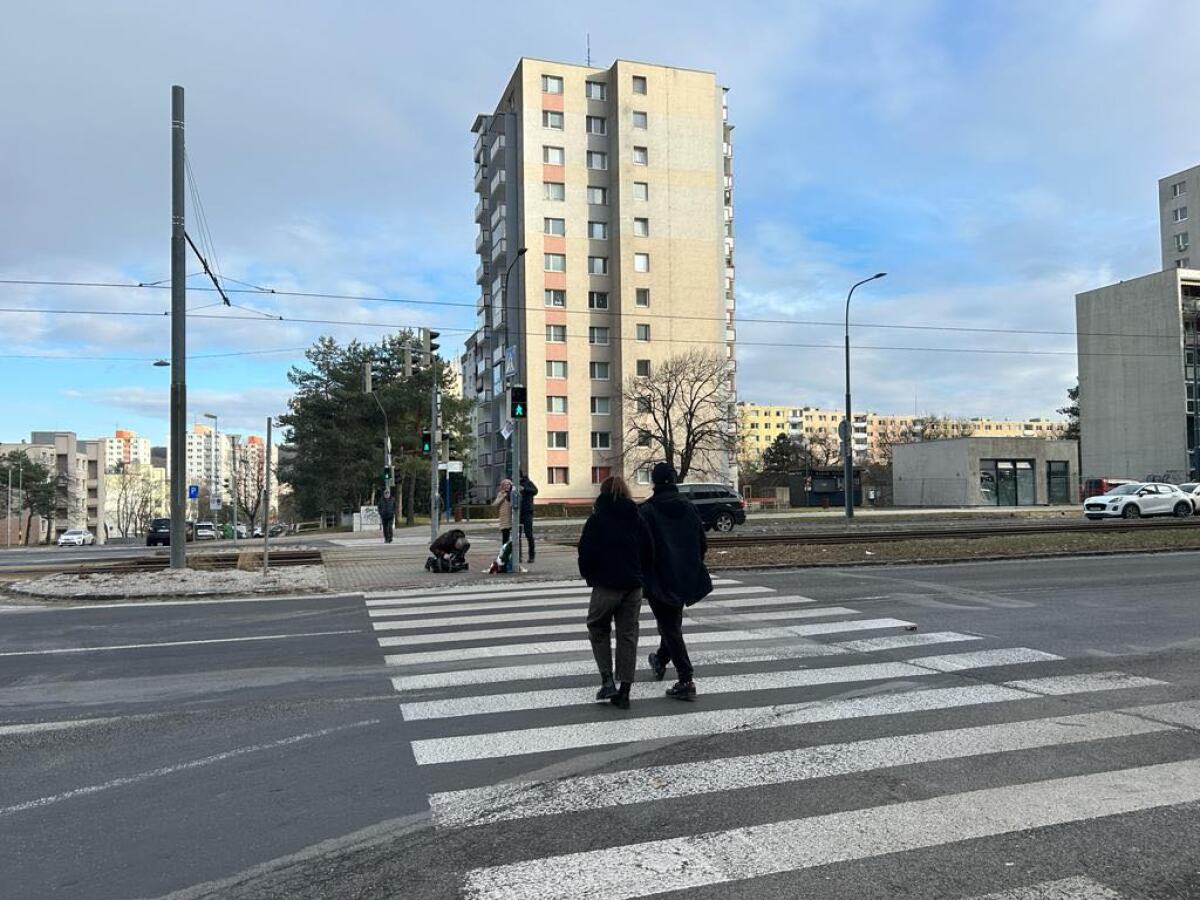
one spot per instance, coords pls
(501, 592)
(526, 799)
(490, 651)
(620, 729)
(720, 857)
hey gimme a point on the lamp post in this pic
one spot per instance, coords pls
(847, 429)
(515, 559)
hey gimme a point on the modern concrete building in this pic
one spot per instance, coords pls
(1137, 381)
(993, 471)
(618, 182)
(1178, 196)
(78, 468)
(126, 448)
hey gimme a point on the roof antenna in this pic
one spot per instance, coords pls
(589, 49)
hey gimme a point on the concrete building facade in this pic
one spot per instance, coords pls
(1178, 196)
(1137, 382)
(992, 471)
(126, 448)
(618, 182)
(78, 468)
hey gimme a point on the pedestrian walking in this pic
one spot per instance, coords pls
(615, 551)
(503, 502)
(529, 490)
(387, 514)
(678, 577)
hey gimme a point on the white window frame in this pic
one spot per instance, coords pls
(603, 195)
(549, 223)
(550, 262)
(639, 81)
(594, 300)
(638, 294)
(641, 262)
(603, 229)
(1178, 188)
(549, 191)
(601, 440)
(1179, 214)
(596, 480)
(641, 190)
(638, 368)
(607, 404)
(596, 125)
(1181, 241)
(644, 119)
(642, 476)
(550, 476)
(550, 82)
(641, 226)
(548, 154)
(595, 332)
(552, 366)
(597, 156)
(552, 296)
(642, 330)
(595, 90)
(553, 332)
(553, 406)
(550, 116)
(598, 265)
(641, 156)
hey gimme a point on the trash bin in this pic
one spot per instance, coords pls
(458, 514)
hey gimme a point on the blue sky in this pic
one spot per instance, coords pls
(994, 158)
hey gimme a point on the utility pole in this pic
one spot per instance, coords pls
(8, 513)
(178, 337)
(847, 429)
(234, 484)
(266, 501)
(435, 449)
(389, 480)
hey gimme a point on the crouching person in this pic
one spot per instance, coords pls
(614, 551)
(449, 552)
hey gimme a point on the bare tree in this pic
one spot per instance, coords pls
(248, 485)
(135, 499)
(681, 413)
(823, 449)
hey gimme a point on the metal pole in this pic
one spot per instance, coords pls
(515, 463)
(234, 485)
(1196, 390)
(848, 437)
(266, 500)
(8, 513)
(435, 450)
(178, 337)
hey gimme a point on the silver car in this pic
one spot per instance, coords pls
(1193, 489)
(1133, 501)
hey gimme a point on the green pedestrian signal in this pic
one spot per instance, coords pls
(426, 443)
(519, 404)
(387, 474)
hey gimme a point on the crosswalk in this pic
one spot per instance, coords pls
(802, 706)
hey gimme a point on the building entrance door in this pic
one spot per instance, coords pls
(1015, 484)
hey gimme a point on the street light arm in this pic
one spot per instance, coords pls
(851, 294)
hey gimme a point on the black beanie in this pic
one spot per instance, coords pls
(663, 473)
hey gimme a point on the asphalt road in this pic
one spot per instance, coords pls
(1011, 730)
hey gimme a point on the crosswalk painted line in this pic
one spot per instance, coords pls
(497, 592)
(982, 659)
(577, 599)
(905, 641)
(514, 701)
(495, 618)
(1080, 888)
(721, 857)
(526, 799)
(496, 744)
(538, 648)
(575, 668)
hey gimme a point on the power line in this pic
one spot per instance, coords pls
(149, 359)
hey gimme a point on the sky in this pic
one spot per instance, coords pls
(994, 158)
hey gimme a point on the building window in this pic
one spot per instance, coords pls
(641, 227)
(601, 406)
(595, 90)
(597, 196)
(556, 334)
(556, 368)
(552, 119)
(641, 156)
(596, 125)
(1178, 188)
(556, 262)
(640, 119)
(554, 226)
(597, 299)
(642, 297)
(553, 156)
(601, 440)
(597, 160)
(599, 371)
(644, 437)
(552, 84)
(1180, 214)
(1181, 242)
(600, 474)
(597, 265)
(554, 190)
(556, 440)
(557, 475)
(643, 333)
(641, 190)
(641, 262)
(556, 404)
(598, 334)
(643, 369)
(1182, 263)
(639, 84)
(598, 231)
(556, 298)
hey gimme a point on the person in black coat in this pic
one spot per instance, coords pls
(615, 550)
(387, 514)
(678, 577)
(529, 490)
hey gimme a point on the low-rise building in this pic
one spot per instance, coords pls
(986, 471)
(78, 470)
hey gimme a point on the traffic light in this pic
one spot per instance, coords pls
(387, 473)
(426, 443)
(428, 345)
(519, 405)
(368, 378)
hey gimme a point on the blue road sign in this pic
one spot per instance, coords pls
(193, 491)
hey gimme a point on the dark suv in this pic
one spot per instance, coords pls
(719, 506)
(160, 533)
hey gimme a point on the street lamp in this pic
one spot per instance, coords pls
(515, 497)
(847, 429)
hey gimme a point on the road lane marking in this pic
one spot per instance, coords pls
(462, 654)
(180, 767)
(35, 727)
(233, 640)
(1064, 889)
(469, 602)
(526, 799)
(905, 641)
(520, 742)
(721, 857)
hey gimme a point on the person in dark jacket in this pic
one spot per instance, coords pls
(615, 551)
(449, 551)
(529, 490)
(678, 577)
(387, 514)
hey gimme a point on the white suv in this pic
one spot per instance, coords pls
(1132, 501)
(76, 537)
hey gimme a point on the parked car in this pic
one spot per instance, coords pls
(76, 537)
(1132, 501)
(1193, 489)
(720, 507)
(159, 532)
(206, 531)
(1099, 487)
(242, 532)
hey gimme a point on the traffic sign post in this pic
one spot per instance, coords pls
(193, 491)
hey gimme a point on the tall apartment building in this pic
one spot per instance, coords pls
(1178, 196)
(618, 182)
(78, 470)
(126, 448)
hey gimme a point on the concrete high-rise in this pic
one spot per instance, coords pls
(1178, 199)
(618, 182)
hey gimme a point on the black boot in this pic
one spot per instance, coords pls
(621, 699)
(608, 689)
(658, 667)
(682, 690)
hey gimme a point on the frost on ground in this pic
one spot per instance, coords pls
(170, 583)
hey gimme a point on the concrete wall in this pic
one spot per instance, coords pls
(947, 473)
(1132, 398)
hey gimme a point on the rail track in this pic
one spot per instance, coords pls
(125, 564)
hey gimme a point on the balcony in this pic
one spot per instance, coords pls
(499, 180)
(730, 303)
(480, 177)
(478, 148)
(497, 148)
(498, 215)
(482, 207)
(730, 334)
(498, 248)
(481, 239)
(482, 273)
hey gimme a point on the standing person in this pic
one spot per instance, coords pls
(387, 514)
(615, 550)
(529, 490)
(504, 519)
(678, 577)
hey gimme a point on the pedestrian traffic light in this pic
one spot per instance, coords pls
(387, 473)
(519, 404)
(428, 345)
(426, 443)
